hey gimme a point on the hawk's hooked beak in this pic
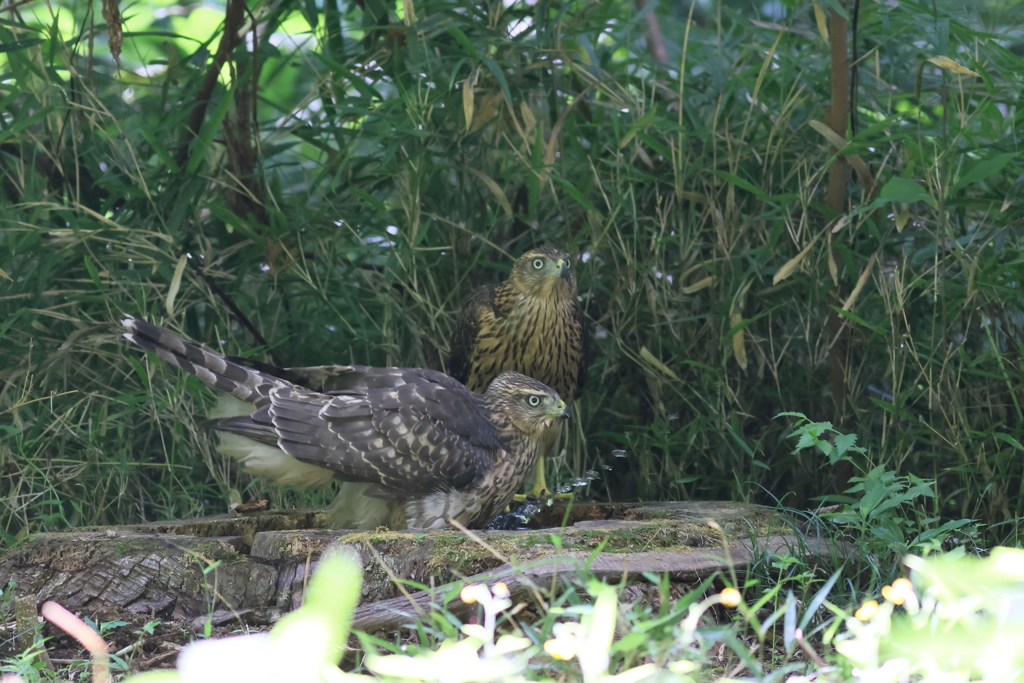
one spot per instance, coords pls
(561, 410)
(563, 267)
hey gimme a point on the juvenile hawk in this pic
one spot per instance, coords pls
(416, 447)
(531, 323)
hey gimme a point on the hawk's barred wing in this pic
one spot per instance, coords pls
(460, 358)
(408, 430)
(586, 351)
(409, 438)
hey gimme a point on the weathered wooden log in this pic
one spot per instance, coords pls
(522, 579)
(254, 568)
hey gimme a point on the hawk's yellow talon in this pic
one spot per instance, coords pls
(540, 489)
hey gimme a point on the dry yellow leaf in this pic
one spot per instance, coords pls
(172, 291)
(467, 102)
(488, 109)
(5, 275)
(789, 266)
(698, 285)
(498, 193)
(644, 157)
(686, 273)
(834, 139)
(947, 63)
(826, 132)
(695, 197)
(819, 19)
(739, 350)
(841, 223)
(556, 130)
(833, 269)
(861, 281)
(862, 171)
(409, 11)
(649, 357)
(901, 219)
(529, 122)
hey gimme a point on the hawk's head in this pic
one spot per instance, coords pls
(544, 272)
(531, 406)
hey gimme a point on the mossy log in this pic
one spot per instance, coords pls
(254, 568)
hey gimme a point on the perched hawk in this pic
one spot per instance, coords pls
(530, 323)
(415, 447)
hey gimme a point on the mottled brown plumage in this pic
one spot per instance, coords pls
(532, 324)
(416, 447)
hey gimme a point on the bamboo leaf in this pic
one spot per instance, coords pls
(833, 268)
(206, 133)
(982, 170)
(950, 65)
(94, 273)
(409, 12)
(653, 360)
(861, 281)
(529, 121)
(574, 192)
(901, 218)
(643, 122)
(819, 19)
(698, 285)
(1006, 438)
(468, 103)
(458, 34)
(17, 45)
(172, 291)
(739, 350)
(21, 122)
(160, 150)
(500, 75)
(789, 266)
(311, 13)
(826, 132)
(840, 144)
(905, 190)
(749, 187)
(498, 193)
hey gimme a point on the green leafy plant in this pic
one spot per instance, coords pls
(887, 516)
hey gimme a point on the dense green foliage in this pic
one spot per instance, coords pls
(359, 168)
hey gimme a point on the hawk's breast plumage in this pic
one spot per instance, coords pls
(531, 323)
(418, 446)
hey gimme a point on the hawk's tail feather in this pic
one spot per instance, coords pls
(213, 369)
(243, 425)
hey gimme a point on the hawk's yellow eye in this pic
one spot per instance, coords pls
(538, 263)
(533, 401)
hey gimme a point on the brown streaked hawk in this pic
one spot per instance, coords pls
(531, 323)
(415, 447)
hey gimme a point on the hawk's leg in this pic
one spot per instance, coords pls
(540, 486)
